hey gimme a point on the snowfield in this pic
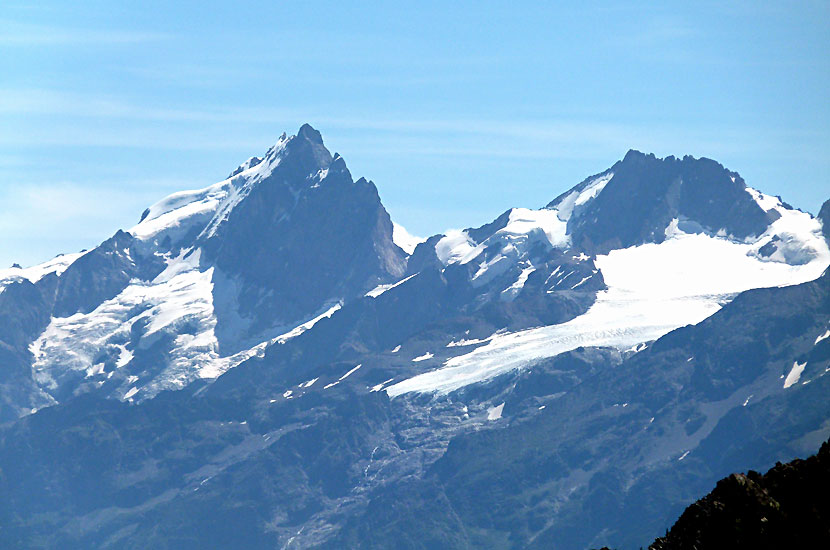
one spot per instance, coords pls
(652, 290)
(56, 265)
(204, 209)
(524, 228)
(181, 296)
(402, 238)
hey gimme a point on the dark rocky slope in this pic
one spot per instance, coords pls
(788, 507)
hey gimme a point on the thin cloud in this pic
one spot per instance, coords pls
(252, 129)
(15, 33)
(67, 216)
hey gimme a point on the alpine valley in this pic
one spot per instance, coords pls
(271, 362)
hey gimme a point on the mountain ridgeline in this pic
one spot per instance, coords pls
(646, 193)
(270, 362)
(785, 508)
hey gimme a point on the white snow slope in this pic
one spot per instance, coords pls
(180, 298)
(56, 265)
(652, 290)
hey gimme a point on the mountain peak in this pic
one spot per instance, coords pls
(634, 155)
(634, 201)
(309, 133)
(308, 146)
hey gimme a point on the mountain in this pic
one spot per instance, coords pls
(824, 217)
(646, 193)
(786, 507)
(205, 279)
(271, 361)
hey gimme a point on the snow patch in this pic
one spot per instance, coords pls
(513, 290)
(796, 236)
(181, 295)
(455, 247)
(766, 202)
(379, 387)
(795, 374)
(327, 386)
(494, 413)
(404, 240)
(309, 383)
(524, 227)
(203, 210)
(423, 357)
(575, 201)
(124, 357)
(130, 393)
(686, 278)
(523, 221)
(470, 342)
(293, 333)
(380, 289)
(56, 265)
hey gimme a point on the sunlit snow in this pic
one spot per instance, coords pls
(349, 373)
(380, 289)
(795, 374)
(181, 294)
(204, 209)
(494, 413)
(56, 265)
(576, 199)
(652, 289)
(402, 238)
(513, 290)
(524, 227)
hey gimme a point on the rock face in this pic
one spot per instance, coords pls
(261, 364)
(305, 235)
(824, 217)
(646, 193)
(785, 508)
(203, 279)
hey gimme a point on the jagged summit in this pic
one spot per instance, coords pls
(309, 133)
(211, 277)
(306, 138)
(515, 384)
(641, 194)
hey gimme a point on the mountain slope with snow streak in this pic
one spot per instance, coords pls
(185, 310)
(528, 383)
(212, 280)
(682, 277)
(652, 290)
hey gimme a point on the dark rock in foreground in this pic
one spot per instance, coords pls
(788, 507)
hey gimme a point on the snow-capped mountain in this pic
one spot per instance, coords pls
(209, 277)
(328, 364)
(653, 280)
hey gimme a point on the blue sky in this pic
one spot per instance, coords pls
(457, 111)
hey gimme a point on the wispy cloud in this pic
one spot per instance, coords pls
(15, 33)
(40, 220)
(117, 122)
